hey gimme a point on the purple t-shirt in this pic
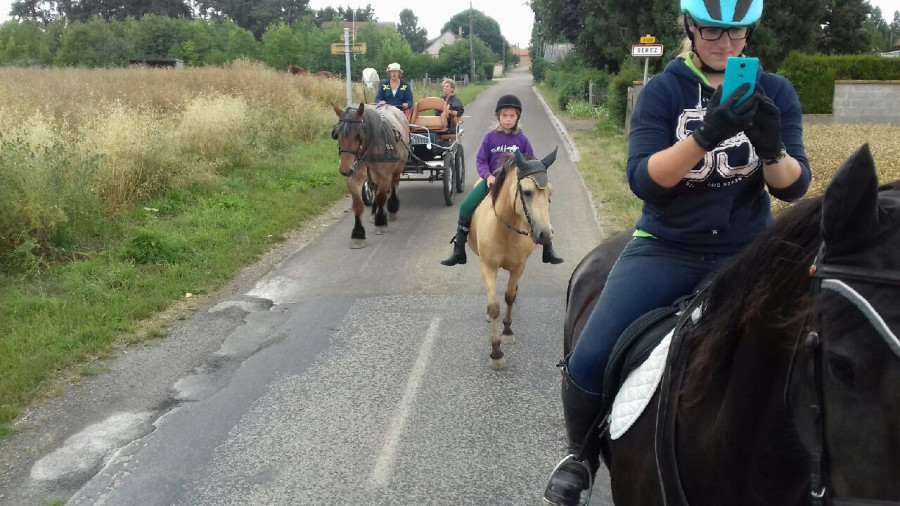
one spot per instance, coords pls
(495, 146)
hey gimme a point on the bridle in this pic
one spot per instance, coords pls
(359, 153)
(521, 195)
(832, 277)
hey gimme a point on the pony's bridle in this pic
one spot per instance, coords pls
(521, 195)
(359, 154)
(832, 277)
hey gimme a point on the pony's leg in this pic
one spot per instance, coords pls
(381, 220)
(512, 290)
(393, 201)
(393, 205)
(358, 236)
(489, 278)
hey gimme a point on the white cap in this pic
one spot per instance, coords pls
(394, 66)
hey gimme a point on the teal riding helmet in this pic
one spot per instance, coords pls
(723, 13)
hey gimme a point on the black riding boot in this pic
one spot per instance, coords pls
(549, 256)
(575, 473)
(459, 243)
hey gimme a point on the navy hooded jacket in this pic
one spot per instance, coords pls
(721, 204)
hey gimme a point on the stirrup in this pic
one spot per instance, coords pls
(571, 458)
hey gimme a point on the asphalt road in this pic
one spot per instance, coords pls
(333, 376)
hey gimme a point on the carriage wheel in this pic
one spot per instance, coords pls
(460, 169)
(368, 197)
(448, 178)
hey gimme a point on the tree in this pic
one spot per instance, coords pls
(453, 59)
(557, 20)
(842, 31)
(788, 25)
(257, 15)
(409, 29)
(486, 28)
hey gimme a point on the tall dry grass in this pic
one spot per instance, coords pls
(154, 128)
(129, 134)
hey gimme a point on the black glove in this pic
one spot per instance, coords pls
(765, 132)
(725, 120)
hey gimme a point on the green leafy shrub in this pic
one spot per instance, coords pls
(814, 75)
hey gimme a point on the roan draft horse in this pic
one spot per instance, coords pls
(505, 229)
(373, 143)
(783, 389)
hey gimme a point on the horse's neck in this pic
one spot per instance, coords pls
(742, 420)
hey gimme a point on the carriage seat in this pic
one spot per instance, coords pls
(419, 123)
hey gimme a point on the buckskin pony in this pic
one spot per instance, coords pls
(505, 229)
(782, 389)
(373, 145)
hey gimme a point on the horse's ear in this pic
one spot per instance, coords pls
(337, 111)
(549, 159)
(521, 162)
(850, 205)
(361, 109)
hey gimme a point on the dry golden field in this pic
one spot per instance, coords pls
(827, 146)
(151, 129)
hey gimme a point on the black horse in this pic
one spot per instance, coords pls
(786, 390)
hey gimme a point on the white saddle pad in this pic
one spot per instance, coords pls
(638, 389)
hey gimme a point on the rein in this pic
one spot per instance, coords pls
(521, 196)
(831, 277)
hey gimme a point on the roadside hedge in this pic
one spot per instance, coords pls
(814, 75)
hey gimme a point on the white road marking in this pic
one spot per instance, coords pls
(388, 453)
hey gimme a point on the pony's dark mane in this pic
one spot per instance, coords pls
(768, 281)
(509, 166)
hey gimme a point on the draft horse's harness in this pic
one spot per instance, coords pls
(361, 153)
(832, 277)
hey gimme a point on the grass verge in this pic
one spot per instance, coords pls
(188, 241)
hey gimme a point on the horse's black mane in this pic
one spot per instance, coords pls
(768, 281)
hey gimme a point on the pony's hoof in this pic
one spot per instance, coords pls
(392, 216)
(380, 230)
(508, 338)
(487, 318)
(357, 243)
(498, 363)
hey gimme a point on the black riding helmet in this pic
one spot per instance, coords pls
(509, 101)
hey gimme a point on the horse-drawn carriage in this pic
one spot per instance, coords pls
(436, 153)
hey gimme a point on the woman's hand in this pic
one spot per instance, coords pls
(490, 180)
(725, 120)
(765, 132)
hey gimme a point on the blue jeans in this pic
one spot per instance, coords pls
(648, 274)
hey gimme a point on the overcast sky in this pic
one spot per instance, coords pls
(514, 16)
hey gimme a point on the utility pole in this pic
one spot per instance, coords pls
(471, 47)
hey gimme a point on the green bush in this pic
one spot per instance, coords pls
(813, 75)
(539, 68)
(617, 97)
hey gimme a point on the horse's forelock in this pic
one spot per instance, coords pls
(349, 123)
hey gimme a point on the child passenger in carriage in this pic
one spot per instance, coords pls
(704, 167)
(497, 144)
(456, 105)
